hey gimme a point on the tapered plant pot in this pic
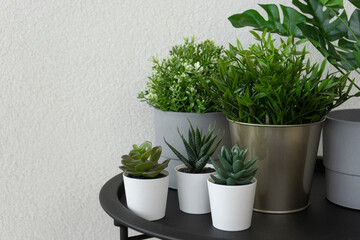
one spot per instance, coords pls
(193, 191)
(147, 197)
(341, 150)
(231, 206)
(166, 125)
(287, 155)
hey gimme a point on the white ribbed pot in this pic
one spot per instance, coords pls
(193, 191)
(231, 206)
(147, 197)
(166, 125)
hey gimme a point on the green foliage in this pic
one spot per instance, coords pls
(198, 148)
(330, 30)
(176, 81)
(234, 171)
(276, 85)
(142, 161)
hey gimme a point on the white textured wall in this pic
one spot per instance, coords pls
(70, 72)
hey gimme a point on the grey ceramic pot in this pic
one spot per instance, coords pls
(341, 149)
(287, 156)
(166, 124)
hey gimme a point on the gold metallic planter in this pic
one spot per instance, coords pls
(287, 156)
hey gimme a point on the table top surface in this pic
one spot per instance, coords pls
(322, 220)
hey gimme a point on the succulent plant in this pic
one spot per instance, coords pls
(142, 161)
(235, 170)
(198, 148)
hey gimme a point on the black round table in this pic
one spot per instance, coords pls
(322, 220)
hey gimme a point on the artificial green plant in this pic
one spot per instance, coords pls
(142, 161)
(234, 170)
(275, 84)
(198, 148)
(176, 81)
(330, 29)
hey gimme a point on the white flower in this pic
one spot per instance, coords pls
(197, 65)
(151, 96)
(188, 67)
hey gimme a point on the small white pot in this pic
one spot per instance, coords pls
(147, 197)
(231, 206)
(193, 191)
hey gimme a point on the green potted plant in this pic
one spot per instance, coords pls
(176, 92)
(192, 175)
(276, 103)
(335, 33)
(232, 190)
(145, 181)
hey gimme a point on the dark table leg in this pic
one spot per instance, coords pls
(123, 233)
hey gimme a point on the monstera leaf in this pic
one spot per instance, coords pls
(329, 29)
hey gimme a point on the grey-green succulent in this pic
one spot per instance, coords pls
(198, 148)
(235, 170)
(142, 161)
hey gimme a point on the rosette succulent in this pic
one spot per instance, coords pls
(142, 161)
(235, 170)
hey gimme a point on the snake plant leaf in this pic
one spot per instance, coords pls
(198, 147)
(197, 140)
(209, 134)
(200, 164)
(179, 155)
(206, 147)
(191, 152)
